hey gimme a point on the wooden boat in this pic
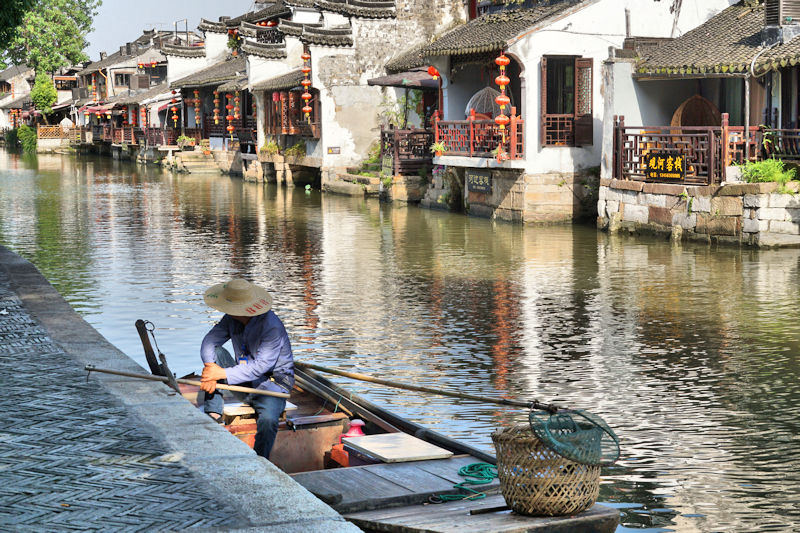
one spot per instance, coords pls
(385, 480)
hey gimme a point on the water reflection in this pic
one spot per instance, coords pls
(690, 353)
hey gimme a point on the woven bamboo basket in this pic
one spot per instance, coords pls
(536, 481)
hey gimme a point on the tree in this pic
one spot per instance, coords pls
(52, 33)
(11, 13)
(44, 94)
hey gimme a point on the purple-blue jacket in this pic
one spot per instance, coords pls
(265, 344)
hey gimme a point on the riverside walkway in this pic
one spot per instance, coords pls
(118, 454)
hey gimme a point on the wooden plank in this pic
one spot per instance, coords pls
(356, 485)
(412, 477)
(455, 517)
(397, 447)
(449, 469)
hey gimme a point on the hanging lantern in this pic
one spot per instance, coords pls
(174, 110)
(236, 101)
(216, 107)
(197, 107)
(108, 114)
(143, 113)
(433, 72)
(502, 100)
(124, 115)
(153, 64)
(272, 23)
(94, 87)
(276, 96)
(306, 83)
(229, 117)
(140, 65)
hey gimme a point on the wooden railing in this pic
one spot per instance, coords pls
(408, 148)
(480, 138)
(708, 150)
(50, 132)
(160, 137)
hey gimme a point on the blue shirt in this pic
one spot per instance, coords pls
(265, 345)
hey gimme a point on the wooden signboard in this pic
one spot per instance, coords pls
(479, 180)
(660, 166)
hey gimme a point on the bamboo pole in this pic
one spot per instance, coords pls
(441, 392)
(234, 388)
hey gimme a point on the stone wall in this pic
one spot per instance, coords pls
(753, 214)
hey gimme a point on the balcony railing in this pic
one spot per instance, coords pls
(408, 148)
(708, 151)
(481, 137)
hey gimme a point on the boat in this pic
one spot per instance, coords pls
(391, 478)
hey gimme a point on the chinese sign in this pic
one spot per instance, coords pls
(663, 166)
(479, 180)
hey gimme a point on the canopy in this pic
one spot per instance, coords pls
(483, 102)
(417, 78)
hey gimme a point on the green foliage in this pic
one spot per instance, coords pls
(374, 154)
(270, 147)
(44, 94)
(12, 139)
(394, 112)
(387, 182)
(438, 147)
(768, 170)
(297, 150)
(185, 140)
(52, 34)
(11, 13)
(27, 138)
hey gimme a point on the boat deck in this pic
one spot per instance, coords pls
(368, 487)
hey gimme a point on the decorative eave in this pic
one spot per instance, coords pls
(213, 27)
(407, 60)
(237, 84)
(734, 70)
(183, 51)
(295, 29)
(268, 51)
(216, 74)
(342, 36)
(247, 29)
(374, 9)
(300, 3)
(283, 82)
(278, 9)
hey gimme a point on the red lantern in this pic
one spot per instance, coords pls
(236, 101)
(502, 100)
(502, 60)
(305, 70)
(272, 23)
(153, 64)
(433, 72)
(502, 80)
(216, 107)
(306, 83)
(306, 96)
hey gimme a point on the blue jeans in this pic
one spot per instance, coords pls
(268, 408)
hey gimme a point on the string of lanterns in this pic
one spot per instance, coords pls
(174, 110)
(94, 87)
(306, 83)
(236, 101)
(197, 109)
(216, 107)
(502, 100)
(229, 117)
(143, 113)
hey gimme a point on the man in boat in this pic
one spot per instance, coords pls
(262, 350)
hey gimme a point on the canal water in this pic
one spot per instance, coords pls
(690, 353)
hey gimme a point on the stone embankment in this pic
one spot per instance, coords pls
(753, 214)
(115, 453)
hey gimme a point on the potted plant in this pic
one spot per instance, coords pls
(296, 151)
(438, 148)
(269, 150)
(205, 146)
(184, 142)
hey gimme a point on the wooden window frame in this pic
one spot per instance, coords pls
(575, 129)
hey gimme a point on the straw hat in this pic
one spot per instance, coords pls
(238, 297)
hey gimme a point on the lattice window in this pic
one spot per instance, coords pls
(566, 101)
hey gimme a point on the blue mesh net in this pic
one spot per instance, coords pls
(576, 435)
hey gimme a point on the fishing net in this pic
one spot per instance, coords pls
(576, 435)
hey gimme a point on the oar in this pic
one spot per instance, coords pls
(441, 392)
(234, 388)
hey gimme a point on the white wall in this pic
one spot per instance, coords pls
(305, 16)
(216, 47)
(589, 33)
(179, 67)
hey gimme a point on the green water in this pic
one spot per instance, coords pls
(690, 353)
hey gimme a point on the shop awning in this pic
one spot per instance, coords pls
(417, 78)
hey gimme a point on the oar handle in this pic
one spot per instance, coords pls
(233, 388)
(440, 392)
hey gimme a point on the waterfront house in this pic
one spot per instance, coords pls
(549, 163)
(723, 93)
(15, 87)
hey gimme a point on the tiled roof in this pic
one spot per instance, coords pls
(269, 51)
(295, 29)
(492, 32)
(118, 57)
(184, 51)
(236, 84)
(137, 97)
(17, 103)
(14, 71)
(726, 44)
(407, 60)
(359, 8)
(215, 74)
(278, 83)
(337, 36)
(278, 9)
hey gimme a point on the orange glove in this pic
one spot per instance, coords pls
(212, 373)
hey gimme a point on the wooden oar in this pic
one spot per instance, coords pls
(441, 392)
(234, 388)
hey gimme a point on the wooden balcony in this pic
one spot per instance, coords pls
(707, 150)
(476, 137)
(408, 148)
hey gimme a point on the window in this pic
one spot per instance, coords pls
(566, 105)
(122, 80)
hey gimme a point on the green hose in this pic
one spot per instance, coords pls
(476, 474)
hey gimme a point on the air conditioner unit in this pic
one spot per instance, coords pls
(781, 12)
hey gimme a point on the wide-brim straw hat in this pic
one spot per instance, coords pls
(238, 297)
